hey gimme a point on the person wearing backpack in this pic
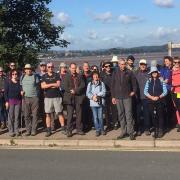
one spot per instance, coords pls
(155, 90)
(30, 83)
(96, 92)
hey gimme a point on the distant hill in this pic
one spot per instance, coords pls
(112, 51)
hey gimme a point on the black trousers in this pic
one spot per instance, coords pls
(70, 112)
(87, 117)
(156, 113)
(111, 113)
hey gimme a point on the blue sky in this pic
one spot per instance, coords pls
(98, 24)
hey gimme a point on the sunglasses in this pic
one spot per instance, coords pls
(12, 65)
(142, 64)
(14, 74)
(177, 62)
(107, 66)
(50, 67)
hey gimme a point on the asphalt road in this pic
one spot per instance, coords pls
(87, 165)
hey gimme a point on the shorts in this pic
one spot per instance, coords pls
(53, 105)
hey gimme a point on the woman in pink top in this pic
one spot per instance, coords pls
(176, 88)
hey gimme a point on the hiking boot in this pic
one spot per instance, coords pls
(103, 133)
(48, 133)
(109, 128)
(33, 133)
(139, 133)
(160, 134)
(178, 129)
(98, 133)
(63, 130)
(116, 127)
(80, 133)
(147, 132)
(121, 136)
(69, 134)
(3, 125)
(27, 134)
(132, 136)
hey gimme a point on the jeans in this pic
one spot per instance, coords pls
(98, 118)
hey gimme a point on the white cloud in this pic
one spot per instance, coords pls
(126, 19)
(103, 17)
(92, 34)
(166, 33)
(164, 3)
(64, 19)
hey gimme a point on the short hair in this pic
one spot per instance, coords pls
(86, 63)
(73, 64)
(169, 58)
(176, 58)
(95, 72)
(121, 59)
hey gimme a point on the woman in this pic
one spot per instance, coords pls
(166, 75)
(13, 92)
(96, 92)
(176, 88)
(155, 90)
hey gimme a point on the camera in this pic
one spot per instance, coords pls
(99, 100)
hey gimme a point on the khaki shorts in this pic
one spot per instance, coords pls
(53, 105)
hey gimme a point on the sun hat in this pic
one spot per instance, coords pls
(62, 65)
(27, 66)
(142, 61)
(114, 59)
(153, 69)
(42, 63)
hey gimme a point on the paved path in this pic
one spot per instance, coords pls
(88, 165)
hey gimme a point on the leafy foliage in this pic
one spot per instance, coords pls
(26, 29)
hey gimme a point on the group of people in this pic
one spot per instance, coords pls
(137, 99)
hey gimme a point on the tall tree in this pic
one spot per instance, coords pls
(25, 29)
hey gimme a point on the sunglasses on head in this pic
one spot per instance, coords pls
(107, 66)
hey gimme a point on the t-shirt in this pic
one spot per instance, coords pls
(51, 92)
(30, 85)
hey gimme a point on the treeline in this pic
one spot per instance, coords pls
(112, 51)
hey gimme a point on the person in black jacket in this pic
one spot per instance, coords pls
(13, 96)
(74, 94)
(123, 88)
(110, 108)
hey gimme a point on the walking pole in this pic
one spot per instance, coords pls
(155, 120)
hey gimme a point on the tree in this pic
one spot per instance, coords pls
(26, 29)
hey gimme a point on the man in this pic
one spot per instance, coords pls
(42, 68)
(3, 116)
(141, 100)
(42, 71)
(74, 95)
(130, 63)
(53, 100)
(123, 88)
(30, 85)
(86, 111)
(110, 109)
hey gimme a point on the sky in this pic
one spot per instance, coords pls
(102, 24)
